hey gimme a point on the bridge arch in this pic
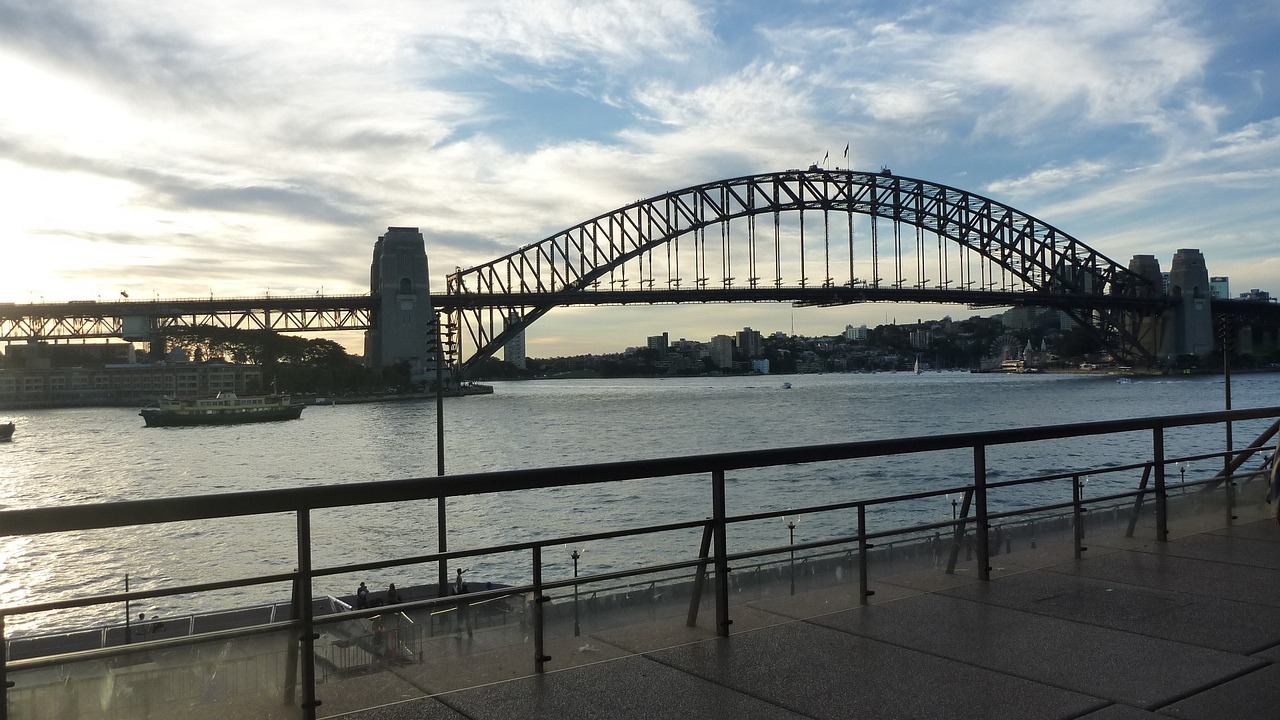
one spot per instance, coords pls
(987, 253)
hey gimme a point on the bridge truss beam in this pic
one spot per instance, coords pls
(711, 236)
(144, 319)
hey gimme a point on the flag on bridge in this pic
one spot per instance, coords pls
(846, 149)
(825, 156)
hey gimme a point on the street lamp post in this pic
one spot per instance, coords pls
(575, 555)
(792, 521)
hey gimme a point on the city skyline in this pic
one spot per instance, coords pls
(244, 150)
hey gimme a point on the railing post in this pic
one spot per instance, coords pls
(1162, 499)
(305, 610)
(718, 515)
(1137, 501)
(540, 657)
(1077, 514)
(980, 519)
(863, 546)
(957, 535)
(699, 576)
(4, 673)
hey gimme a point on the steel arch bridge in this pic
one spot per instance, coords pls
(810, 237)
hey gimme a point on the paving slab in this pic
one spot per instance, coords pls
(423, 709)
(1267, 530)
(1236, 549)
(823, 673)
(1194, 576)
(1111, 664)
(1195, 619)
(1254, 695)
(1122, 712)
(631, 688)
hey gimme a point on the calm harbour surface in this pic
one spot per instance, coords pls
(94, 455)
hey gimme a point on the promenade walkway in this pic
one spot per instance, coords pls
(1136, 629)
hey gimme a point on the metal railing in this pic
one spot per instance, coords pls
(706, 572)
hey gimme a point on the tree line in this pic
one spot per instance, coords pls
(289, 362)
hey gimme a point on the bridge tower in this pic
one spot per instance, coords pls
(1152, 329)
(402, 326)
(1189, 330)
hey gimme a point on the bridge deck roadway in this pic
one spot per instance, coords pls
(1190, 629)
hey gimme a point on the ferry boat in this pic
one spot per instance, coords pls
(225, 408)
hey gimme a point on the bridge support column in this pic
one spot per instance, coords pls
(402, 325)
(1189, 328)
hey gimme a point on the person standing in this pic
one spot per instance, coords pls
(393, 596)
(362, 597)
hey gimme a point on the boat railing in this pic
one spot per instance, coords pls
(949, 526)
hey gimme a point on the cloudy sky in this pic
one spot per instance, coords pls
(243, 148)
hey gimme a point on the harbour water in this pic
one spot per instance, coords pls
(94, 455)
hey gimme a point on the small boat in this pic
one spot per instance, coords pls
(6, 430)
(225, 408)
(786, 386)
(917, 364)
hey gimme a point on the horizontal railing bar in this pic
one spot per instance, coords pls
(508, 548)
(145, 594)
(34, 521)
(151, 645)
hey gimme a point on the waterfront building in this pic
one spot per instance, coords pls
(43, 355)
(658, 342)
(721, 352)
(124, 384)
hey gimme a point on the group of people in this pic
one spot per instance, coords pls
(145, 626)
(362, 597)
(393, 596)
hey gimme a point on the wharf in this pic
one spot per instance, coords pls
(1137, 629)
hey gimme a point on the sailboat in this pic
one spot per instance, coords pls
(917, 364)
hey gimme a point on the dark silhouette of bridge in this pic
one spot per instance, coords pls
(811, 237)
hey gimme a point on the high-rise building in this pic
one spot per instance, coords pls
(722, 351)
(750, 342)
(855, 334)
(658, 342)
(1220, 287)
(513, 350)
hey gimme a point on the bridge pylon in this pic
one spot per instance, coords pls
(1190, 326)
(402, 326)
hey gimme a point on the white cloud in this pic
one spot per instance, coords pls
(1050, 178)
